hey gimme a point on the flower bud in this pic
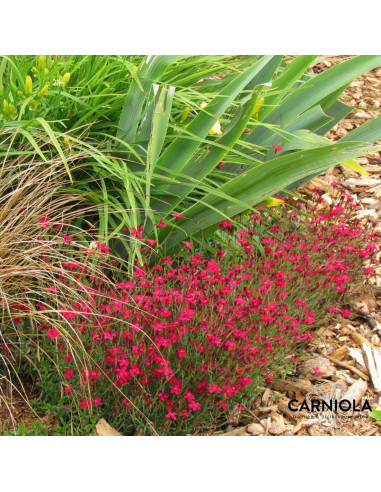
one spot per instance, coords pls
(185, 114)
(42, 92)
(41, 62)
(12, 111)
(5, 106)
(66, 77)
(46, 71)
(29, 85)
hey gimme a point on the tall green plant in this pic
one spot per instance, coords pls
(153, 131)
(288, 109)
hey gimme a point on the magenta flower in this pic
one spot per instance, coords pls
(161, 224)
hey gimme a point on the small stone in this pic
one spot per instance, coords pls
(255, 429)
(275, 429)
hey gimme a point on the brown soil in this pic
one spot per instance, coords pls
(16, 411)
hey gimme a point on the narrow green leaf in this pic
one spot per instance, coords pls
(32, 141)
(54, 140)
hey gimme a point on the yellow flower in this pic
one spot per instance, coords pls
(216, 130)
(29, 85)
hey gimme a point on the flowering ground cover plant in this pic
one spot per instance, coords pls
(181, 345)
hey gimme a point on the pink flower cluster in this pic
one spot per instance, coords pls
(187, 340)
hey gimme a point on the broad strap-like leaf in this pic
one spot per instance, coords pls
(255, 185)
(303, 140)
(150, 72)
(159, 131)
(265, 74)
(200, 168)
(368, 132)
(313, 92)
(337, 112)
(312, 119)
(283, 83)
(181, 150)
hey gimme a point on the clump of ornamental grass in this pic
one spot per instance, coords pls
(192, 339)
(38, 237)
